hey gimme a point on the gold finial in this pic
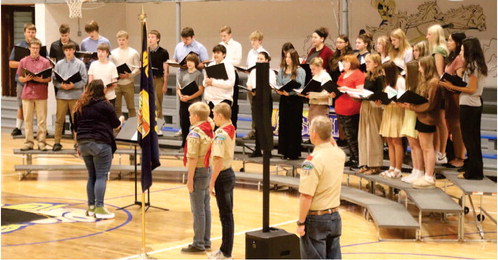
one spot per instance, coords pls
(142, 15)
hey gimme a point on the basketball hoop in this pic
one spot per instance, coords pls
(75, 8)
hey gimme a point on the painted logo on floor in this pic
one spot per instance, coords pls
(52, 213)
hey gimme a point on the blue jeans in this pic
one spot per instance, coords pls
(224, 198)
(201, 209)
(322, 237)
(98, 159)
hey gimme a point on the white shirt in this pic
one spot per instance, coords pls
(106, 72)
(234, 51)
(251, 81)
(129, 56)
(220, 89)
(252, 56)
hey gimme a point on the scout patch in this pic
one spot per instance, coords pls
(219, 139)
(307, 167)
(194, 134)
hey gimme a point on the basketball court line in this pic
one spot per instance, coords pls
(212, 239)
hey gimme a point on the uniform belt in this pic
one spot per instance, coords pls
(323, 212)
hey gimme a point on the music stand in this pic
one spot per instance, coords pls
(129, 134)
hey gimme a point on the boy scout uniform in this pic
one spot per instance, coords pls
(224, 144)
(321, 176)
(198, 144)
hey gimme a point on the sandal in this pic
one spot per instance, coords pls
(372, 171)
(363, 169)
(385, 173)
(394, 174)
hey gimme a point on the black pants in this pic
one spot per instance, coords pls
(224, 198)
(184, 120)
(471, 133)
(235, 104)
(350, 125)
(290, 125)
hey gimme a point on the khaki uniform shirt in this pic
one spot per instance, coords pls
(321, 176)
(198, 144)
(223, 146)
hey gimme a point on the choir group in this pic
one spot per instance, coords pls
(381, 91)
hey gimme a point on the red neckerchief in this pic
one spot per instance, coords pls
(230, 129)
(208, 130)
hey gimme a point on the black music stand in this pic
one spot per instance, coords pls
(128, 134)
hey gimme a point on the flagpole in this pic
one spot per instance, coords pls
(144, 253)
(143, 250)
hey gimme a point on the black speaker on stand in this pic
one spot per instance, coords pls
(268, 243)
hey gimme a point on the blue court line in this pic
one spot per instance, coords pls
(128, 220)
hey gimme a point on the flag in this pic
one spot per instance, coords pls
(147, 126)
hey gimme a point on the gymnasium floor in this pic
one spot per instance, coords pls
(69, 234)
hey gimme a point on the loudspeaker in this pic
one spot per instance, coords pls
(276, 244)
(262, 104)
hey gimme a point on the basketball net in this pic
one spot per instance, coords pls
(74, 8)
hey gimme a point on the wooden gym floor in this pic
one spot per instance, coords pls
(69, 234)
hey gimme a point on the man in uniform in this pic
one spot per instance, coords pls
(196, 157)
(319, 223)
(223, 177)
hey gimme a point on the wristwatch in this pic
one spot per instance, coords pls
(300, 223)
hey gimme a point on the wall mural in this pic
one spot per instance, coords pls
(466, 18)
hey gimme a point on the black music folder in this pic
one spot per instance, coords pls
(76, 77)
(46, 73)
(289, 87)
(412, 98)
(190, 89)
(217, 71)
(382, 96)
(183, 62)
(123, 68)
(244, 69)
(86, 54)
(21, 52)
(312, 86)
(330, 87)
(307, 69)
(454, 79)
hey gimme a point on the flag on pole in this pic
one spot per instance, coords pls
(147, 126)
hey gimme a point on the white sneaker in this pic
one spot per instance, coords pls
(217, 255)
(103, 213)
(179, 133)
(416, 174)
(425, 182)
(441, 158)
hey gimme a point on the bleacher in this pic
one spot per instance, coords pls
(387, 212)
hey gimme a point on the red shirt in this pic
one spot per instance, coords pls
(325, 54)
(345, 105)
(31, 89)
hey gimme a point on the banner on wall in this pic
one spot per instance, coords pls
(305, 123)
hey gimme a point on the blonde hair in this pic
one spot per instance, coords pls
(256, 35)
(403, 44)
(386, 43)
(223, 109)
(378, 71)
(423, 49)
(430, 71)
(322, 125)
(317, 61)
(199, 109)
(122, 33)
(439, 40)
(226, 29)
